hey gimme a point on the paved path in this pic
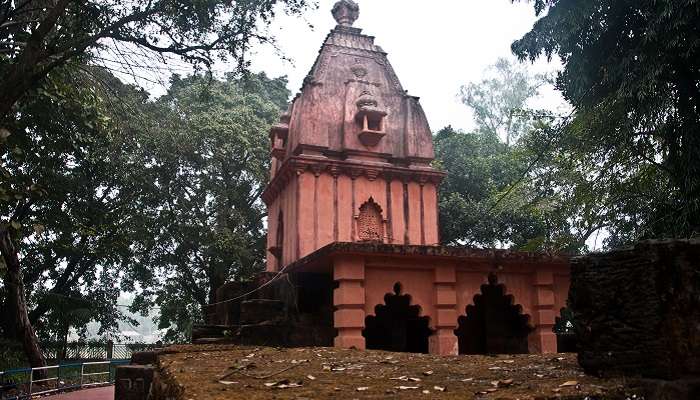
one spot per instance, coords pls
(102, 393)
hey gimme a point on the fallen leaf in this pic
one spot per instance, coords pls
(428, 373)
(440, 388)
(227, 382)
(426, 392)
(311, 377)
(569, 383)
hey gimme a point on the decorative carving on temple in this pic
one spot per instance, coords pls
(346, 12)
(370, 224)
(371, 119)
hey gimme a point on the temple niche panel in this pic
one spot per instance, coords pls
(370, 224)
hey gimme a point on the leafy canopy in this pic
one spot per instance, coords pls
(632, 69)
(37, 36)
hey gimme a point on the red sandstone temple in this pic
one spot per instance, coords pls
(353, 219)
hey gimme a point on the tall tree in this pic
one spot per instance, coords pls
(207, 163)
(494, 193)
(499, 101)
(37, 36)
(632, 69)
(65, 199)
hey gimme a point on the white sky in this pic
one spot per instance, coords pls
(435, 47)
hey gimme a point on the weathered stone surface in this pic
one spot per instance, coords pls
(682, 389)
(144, 358)
(261, 310)
(638, 310)
(133, 382)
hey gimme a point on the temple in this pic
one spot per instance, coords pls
(353, 218)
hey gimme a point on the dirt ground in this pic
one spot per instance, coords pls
(232, 372)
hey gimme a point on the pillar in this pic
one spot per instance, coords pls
(349, 301)
(543, 339)
(444, 340)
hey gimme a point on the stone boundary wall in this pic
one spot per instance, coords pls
(638, 310)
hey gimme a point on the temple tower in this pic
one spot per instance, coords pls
(351, 156)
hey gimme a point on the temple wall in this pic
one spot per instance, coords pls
(443, 289)
(418, 283)
(319, 208)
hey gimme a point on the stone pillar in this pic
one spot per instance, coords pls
(543, 339)
(349, 301)
(444, 340)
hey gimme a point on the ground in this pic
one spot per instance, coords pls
(231, 372)
(101, 393)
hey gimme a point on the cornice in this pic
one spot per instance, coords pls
(298, 165)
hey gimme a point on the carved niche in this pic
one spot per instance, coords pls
(370, 224)
(370, 116)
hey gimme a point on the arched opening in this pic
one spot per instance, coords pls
(397, 325)
(493, 324)
(370, 224)
(564, 329)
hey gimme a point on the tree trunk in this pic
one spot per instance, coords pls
(17, 306)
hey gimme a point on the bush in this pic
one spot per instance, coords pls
(12, 355)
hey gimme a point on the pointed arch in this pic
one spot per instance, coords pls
(397, 325)
(370, 223)
(493, 324)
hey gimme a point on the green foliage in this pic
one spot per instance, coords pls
(632, 69)
(498, 191)
(62, 167)
(479, 167)
(126, 35)
(499, 100)
(11, 355)
(206, 164)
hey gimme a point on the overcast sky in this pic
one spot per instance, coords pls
(435, 47)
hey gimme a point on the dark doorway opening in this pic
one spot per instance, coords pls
(493, 324)
(564, 328)
(397, 325)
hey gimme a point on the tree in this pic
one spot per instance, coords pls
(491, 196)
(65, 199)
(479, 167)
(499, 101)
(38, 36)
(207, 163)
(632, 69)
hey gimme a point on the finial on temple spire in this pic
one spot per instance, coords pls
(346, 12)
